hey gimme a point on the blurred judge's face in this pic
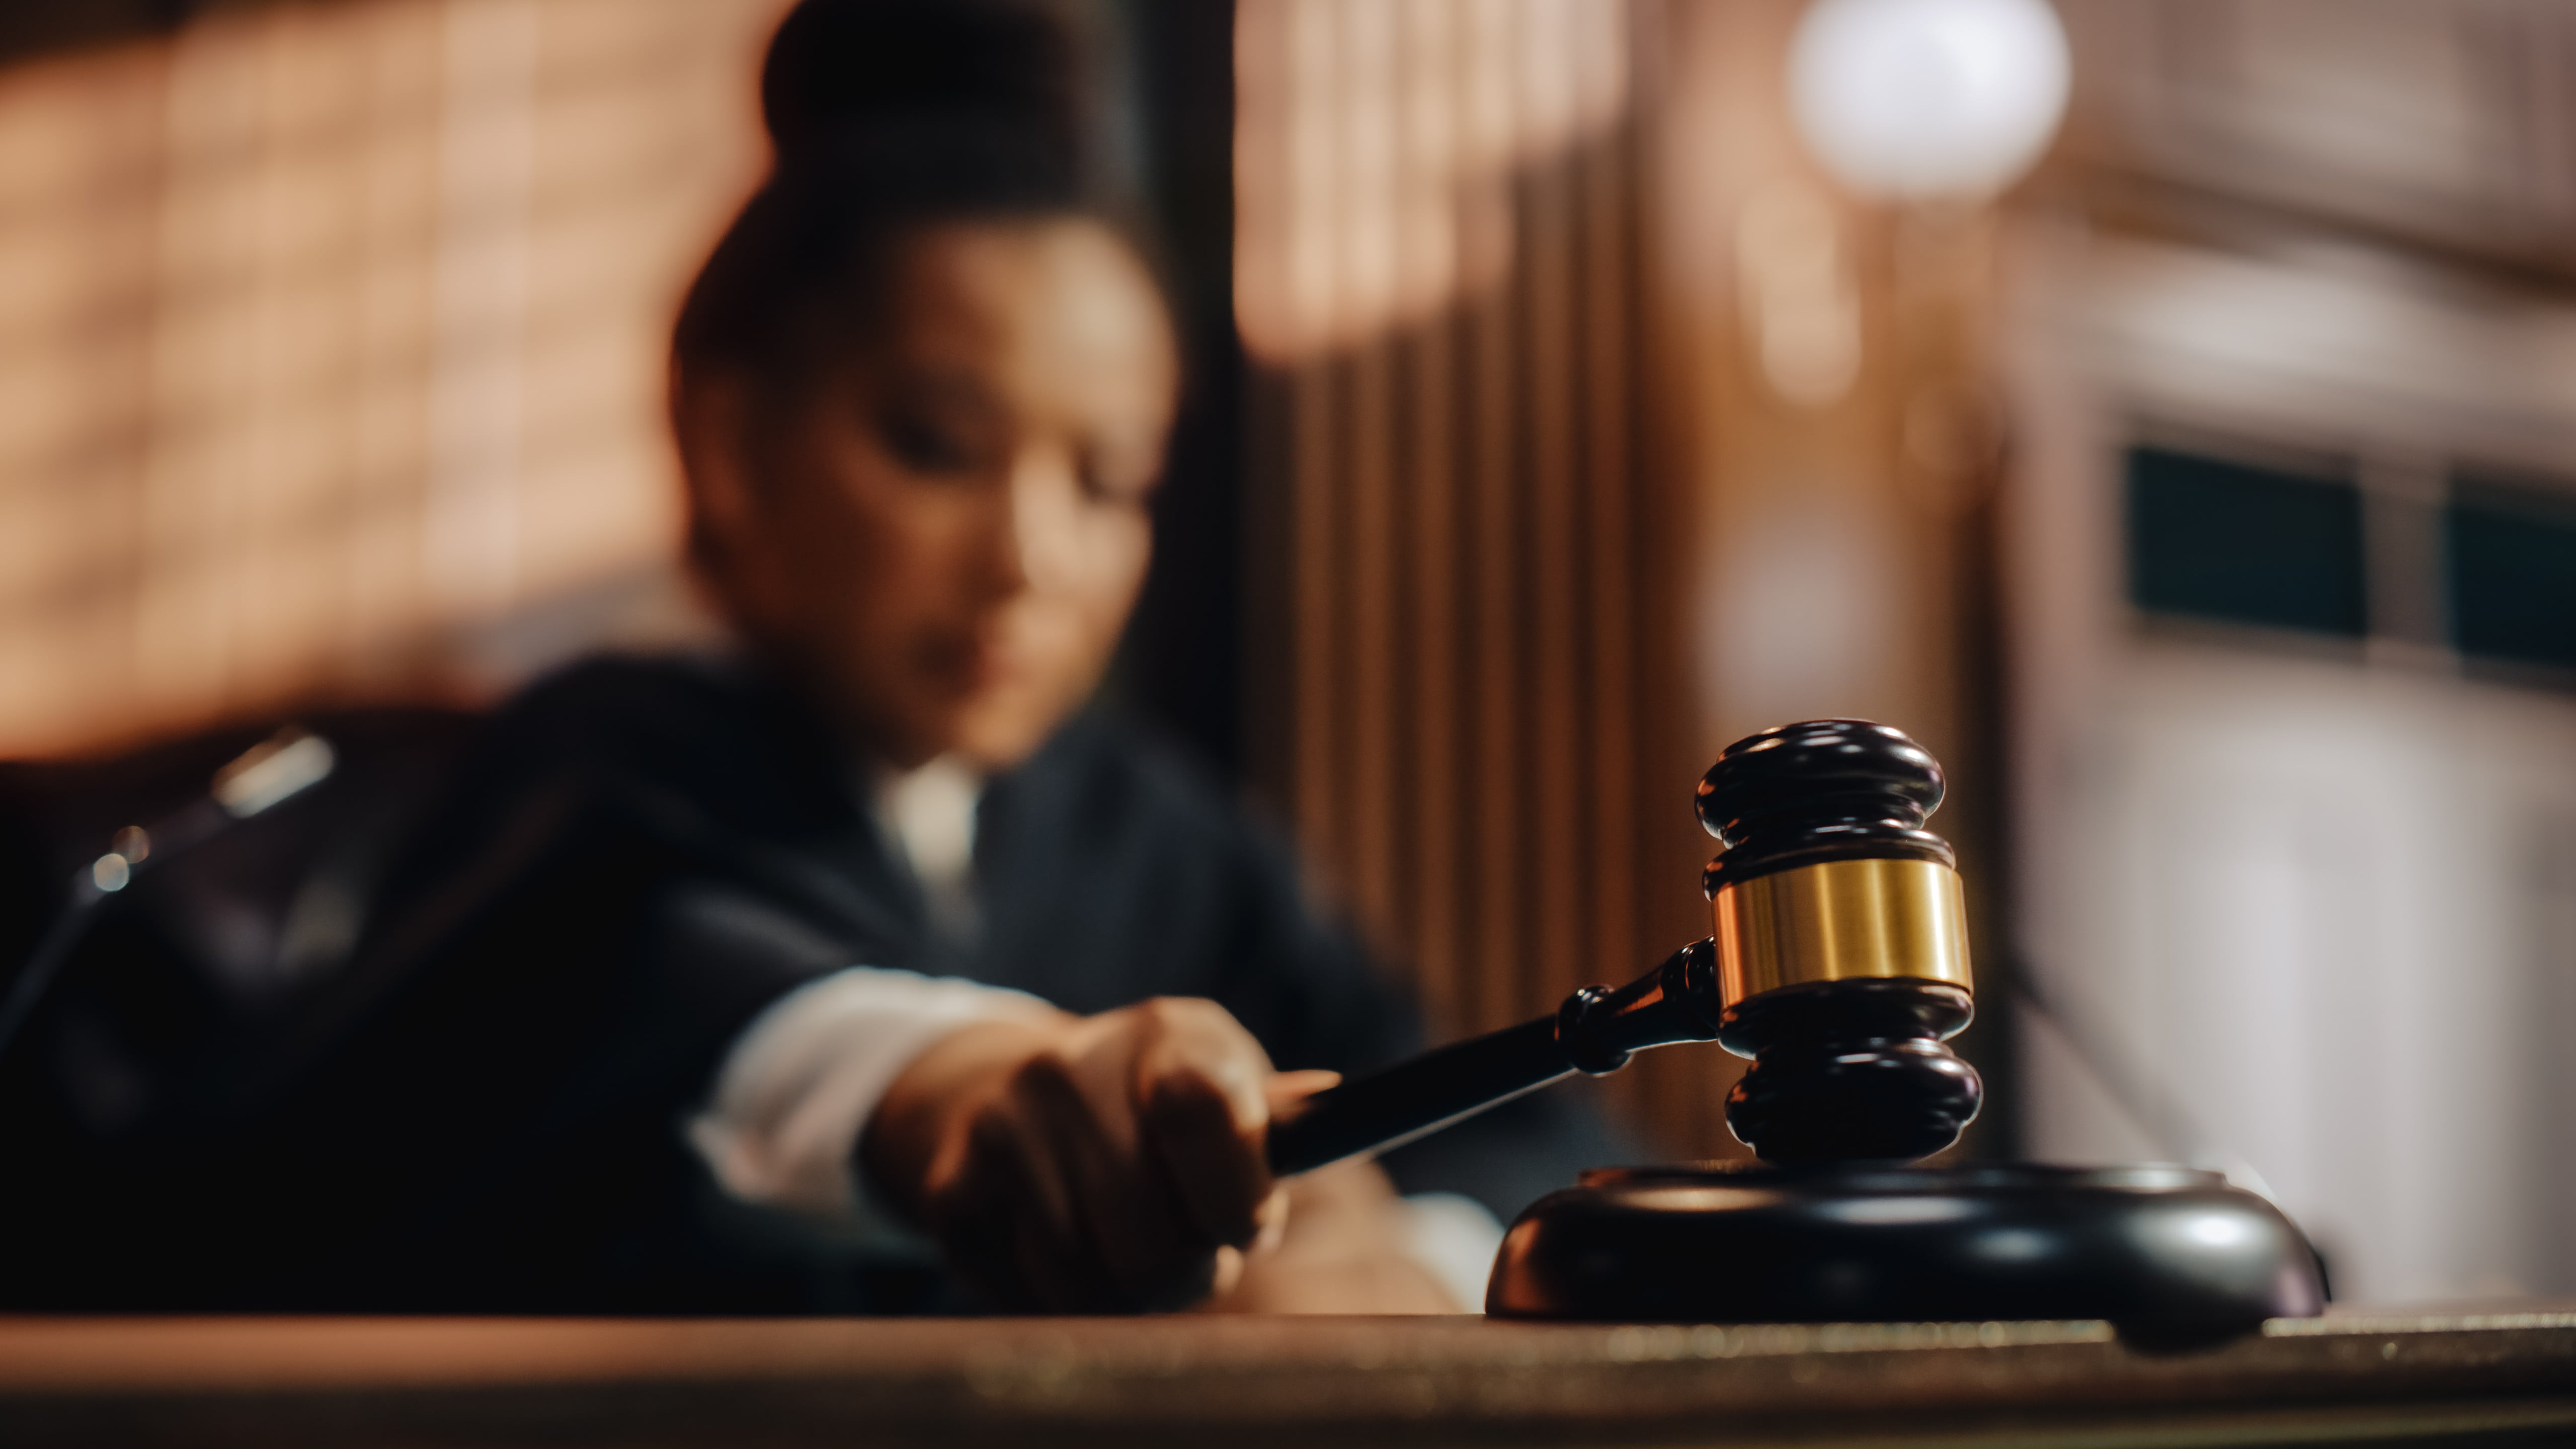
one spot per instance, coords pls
(944, 530)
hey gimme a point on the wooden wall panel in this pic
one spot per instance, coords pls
(1488, 751)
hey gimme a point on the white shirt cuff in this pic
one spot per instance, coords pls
(1455, 1240)
(781, 1129)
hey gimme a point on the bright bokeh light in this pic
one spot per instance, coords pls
(1921, 100)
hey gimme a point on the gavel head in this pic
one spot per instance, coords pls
(1841, 944)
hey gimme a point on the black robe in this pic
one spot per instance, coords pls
(480, 1108)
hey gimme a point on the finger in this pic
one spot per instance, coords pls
(1210, 1155)
(1229, 1272)
(1063, 1280)
(1201, 1041)
(1151, 1251)
(1059, 1149)
(1193, 1087)
(1002, 1219)
(968, 1214)
(1272, 1215)
(1288, 1089)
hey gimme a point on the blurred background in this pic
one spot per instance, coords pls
(2163, 409)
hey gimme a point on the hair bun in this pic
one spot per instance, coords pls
(839, 68)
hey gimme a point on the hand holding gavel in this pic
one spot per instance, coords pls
(1132, 1159)
(1115, 1163)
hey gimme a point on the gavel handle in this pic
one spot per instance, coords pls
(1417, 1096)
(1593, 1032)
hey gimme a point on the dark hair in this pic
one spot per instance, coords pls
(885, 116)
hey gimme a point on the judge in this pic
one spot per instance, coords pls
(863, 965)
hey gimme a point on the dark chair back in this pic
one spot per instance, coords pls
(171, 975)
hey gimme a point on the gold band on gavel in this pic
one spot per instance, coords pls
(1840, 920)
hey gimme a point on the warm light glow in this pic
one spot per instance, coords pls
(331, 344)
(1927, 99)
(1801, 303)
(1375, 143)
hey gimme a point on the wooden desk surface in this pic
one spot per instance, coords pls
(1252, 1383)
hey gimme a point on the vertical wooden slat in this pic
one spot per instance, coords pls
(1431, 123)
(1553, 606)
(1307, 135)
(1489, 820)
(1441, 837)
(1611, 498)
(1371, 713)
(1496, 819)
(1314, 658)
(1370, 542)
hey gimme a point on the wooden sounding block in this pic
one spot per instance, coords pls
(1838, 961)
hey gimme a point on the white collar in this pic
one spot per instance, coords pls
(929, 813)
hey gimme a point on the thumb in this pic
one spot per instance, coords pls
(1285, 1090)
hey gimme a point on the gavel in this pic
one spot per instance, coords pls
(1838, 962)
